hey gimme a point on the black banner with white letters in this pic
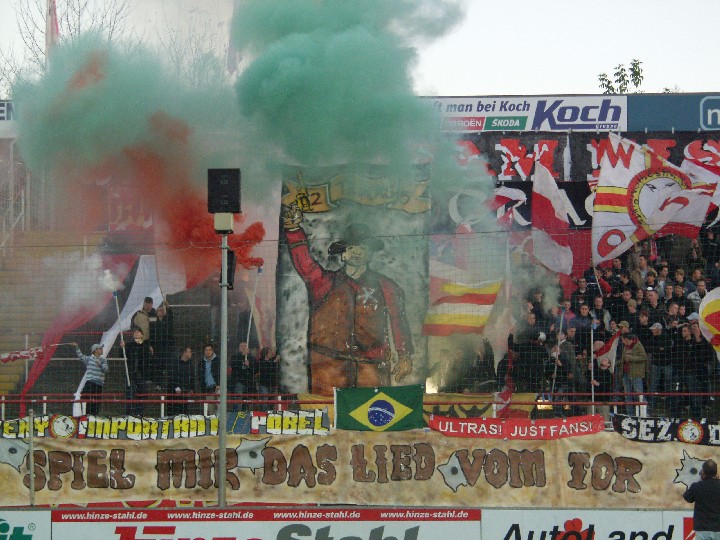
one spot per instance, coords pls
(659, 430)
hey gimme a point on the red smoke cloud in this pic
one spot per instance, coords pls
(158, 172)
(192, 227)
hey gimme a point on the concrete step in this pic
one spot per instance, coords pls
(8, 377)
(11, 376)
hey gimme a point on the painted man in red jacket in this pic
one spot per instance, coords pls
(355, 313)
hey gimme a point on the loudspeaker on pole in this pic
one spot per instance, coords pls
(224, 191)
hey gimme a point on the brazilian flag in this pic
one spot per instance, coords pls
(385, 408)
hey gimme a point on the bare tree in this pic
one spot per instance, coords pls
(196, 48)
(107, 17)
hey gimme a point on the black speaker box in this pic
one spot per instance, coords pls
(224, 191)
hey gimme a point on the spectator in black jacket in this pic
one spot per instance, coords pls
(619, 305)
(211, 377)
(180, 382)
(602, 382)
(690, 364)
(244, 372)
(139, 360)
(659, 348)
(581, 295)
(162, 340)
(679, 297)
(531, 360)
(706, 359)
(706, 496)
(268, 374)
(481, 376)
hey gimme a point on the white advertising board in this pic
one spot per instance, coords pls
(267, 524)
(24, 525)
(534, 113)
(566, 524)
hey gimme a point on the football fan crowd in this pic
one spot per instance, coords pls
(647, 301)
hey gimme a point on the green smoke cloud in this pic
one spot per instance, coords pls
(98, 98)
(330, 80)
(93, 101)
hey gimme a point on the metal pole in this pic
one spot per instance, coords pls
(122, 341)
(252, 306)
(31, 459)
(222, 406)
(592, 348)
(23, 208)
(11, 188)
(592, 367)
(552, 388)
(252, 311)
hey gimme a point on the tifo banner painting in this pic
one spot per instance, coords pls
(402, 468)
(351, 261)
(384, 279)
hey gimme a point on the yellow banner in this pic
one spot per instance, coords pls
(412, 468)
(411, 197)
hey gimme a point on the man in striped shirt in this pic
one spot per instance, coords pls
(96, 366)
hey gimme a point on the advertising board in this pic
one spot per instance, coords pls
(24, 525)
(533, 113)
(267, 523)
(577, 524)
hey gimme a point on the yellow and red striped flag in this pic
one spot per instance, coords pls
(461, 308)
(709, 312)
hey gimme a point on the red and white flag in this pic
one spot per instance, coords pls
(503, 399)
(704, 174)
(27, 354)
(505, 203)
(52, 32)
(550, 224)
(641, 196)
(609, 351)
(459, 308)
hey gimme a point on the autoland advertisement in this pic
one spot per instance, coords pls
(411, 468)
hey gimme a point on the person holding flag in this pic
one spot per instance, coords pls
(96, 367)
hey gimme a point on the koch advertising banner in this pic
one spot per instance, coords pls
(536, 113)
(262, 524)
(587, 525)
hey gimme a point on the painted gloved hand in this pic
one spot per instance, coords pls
(403, 366)
(292, 217)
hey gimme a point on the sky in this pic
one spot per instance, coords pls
(523, 47)
(519, 47)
